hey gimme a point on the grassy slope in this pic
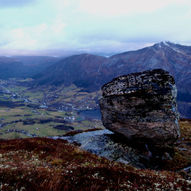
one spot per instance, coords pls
(46, 164)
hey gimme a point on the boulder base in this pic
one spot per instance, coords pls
(142, 108)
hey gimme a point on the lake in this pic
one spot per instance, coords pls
(90, 114)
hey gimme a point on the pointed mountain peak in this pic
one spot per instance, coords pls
(163, 44)
(167, 45)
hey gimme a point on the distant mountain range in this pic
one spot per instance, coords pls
(90, 72)
(24, 66)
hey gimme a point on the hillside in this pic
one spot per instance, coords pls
(171, 57)
(47, 164)
(91, 72)
(81, 70)
(10, 67)
(24, 66)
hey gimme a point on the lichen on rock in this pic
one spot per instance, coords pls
(142, 107)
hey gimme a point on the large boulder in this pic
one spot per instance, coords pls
(142, 108)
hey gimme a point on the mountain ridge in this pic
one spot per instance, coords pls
(24, 66)
(154, 55)
(90, 74)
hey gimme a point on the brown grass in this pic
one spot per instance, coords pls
(182, 157)
(38, 164)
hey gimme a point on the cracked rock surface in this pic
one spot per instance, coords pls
(142, 108)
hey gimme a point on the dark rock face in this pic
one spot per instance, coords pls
(142, 107)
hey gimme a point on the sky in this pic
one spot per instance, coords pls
(56, 27)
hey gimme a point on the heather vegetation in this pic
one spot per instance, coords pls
(47, 164)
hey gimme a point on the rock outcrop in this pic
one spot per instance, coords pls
(142, 108)
(106, 144)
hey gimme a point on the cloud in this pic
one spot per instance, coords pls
(124, 7)
(92, 25)
(34, 37)
(15, 3)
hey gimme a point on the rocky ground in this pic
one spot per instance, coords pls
(47, 164)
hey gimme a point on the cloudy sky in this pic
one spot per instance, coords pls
(94, 26)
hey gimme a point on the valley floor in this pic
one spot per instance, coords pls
(27, 111)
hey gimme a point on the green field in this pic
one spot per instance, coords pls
(15, 123)
(20, 119)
